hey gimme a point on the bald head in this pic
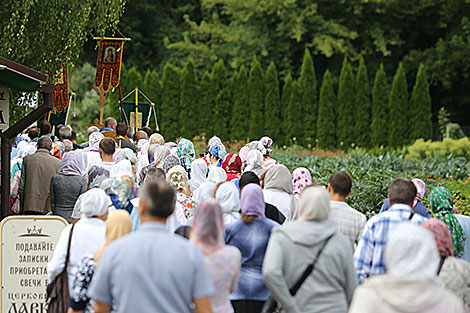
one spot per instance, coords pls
(110, 122)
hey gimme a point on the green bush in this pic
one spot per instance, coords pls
(449, 147)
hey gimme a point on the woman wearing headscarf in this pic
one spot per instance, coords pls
(455, 273)
(178, 179)
(265, 146)
(187, 154)
(216, 175)
(215, 156)
(14, 148)
(222, 261)
(23, 149)
(118, 225)
(410, 283)
(295, 246)
(88, 235)
(250, 235)
(243, 153)
(67, 185)
(159, 156)
(205, 191)
(301, 178)
(253, 163)
(120, 191)
(229, 198)
(93, 152)
(442, 206)
(170, 162)
(199, 173)
(279, 191)
(232, 165)
(157, 138)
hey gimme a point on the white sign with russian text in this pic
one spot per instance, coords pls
(4, 108)
(28, 243)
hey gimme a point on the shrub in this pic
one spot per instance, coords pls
(345, 126)
(256, 91)
(449, 147)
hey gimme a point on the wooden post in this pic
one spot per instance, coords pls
(102, 103)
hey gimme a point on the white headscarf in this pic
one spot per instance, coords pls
(411, 250)
(94, 202)
(229, 198)
(205, 191)
(123, 166)
(199, 171)
(216, 174)
(253, 163)
(314, 204)
(24, 148)
(94, 141)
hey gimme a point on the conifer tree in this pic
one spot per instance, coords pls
(295, 130)
(398, 110)
(380, 99)
(285, 100)
(240, 121)
(256, 94)
(420, 107)
(345, 106)
(129, 80)
(272, 104)
(326, 128)
(188, 101)
(206, 105)
(152, 88)
(362, 107)
(223, 105)
(309, 105)
(170, 102)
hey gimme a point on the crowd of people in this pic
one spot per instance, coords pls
(154, 227)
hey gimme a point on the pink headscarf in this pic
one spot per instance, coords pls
(301, 178)
(208, 227)
(72, 164)
(421, 188)
(252, 200)
(244, 153)
(441, 234)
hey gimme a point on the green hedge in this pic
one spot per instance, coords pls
(421, 149)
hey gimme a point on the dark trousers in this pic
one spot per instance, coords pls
(247, 306)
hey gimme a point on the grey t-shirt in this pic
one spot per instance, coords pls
(65, 191)
(151, 270)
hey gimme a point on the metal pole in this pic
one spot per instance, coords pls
(136, 108)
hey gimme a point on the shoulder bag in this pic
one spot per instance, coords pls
(271, 305)
(58, 291)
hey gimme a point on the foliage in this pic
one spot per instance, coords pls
(449, 147)
(285, 100)
(362, 106)
(222, 106)
(398, 110)
(239, 122)
(326, 125)
(420, 107)
(443, 119)
(379, 124)
(345, 115)
(295, 129)
(188, 101)
(309, 105)
(170, 102)
(272, 105)
(256, 92)
(153, 89)
(206, 103)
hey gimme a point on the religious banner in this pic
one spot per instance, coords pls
(61, 91)
(28, 243)
(108, 67)
(4, 108)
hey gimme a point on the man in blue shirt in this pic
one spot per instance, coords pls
(152, 270)
(368, 256)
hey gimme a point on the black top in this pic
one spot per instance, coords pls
(273, 213)
(122, 143)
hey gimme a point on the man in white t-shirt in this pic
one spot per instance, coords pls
(98, 173)
(346, 220)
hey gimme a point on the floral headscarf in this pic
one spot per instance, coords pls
(441, 233)
(160, 154)
(127, 154)
(178, 179)
(169, 162)
(232, 166)
(265, 146)
(58, 149)
(254, 162)
(94, 141)
(186, 153)
(151, 152)
(121, 192)
(301, 178)
(442, 205)
(421, 188)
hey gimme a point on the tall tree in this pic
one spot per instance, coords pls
(420, 107)
(362, 106)
(295, 130)
(345, 107)
(398, 109)
(326, 128)
(170, 102)
(309, 105)
(256, 92)
(380, 98)
(223, 105)
(285, 100)
(239, 123)
(272, 105)
(206, 104)
(153, 88)
(189, 101)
